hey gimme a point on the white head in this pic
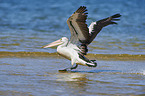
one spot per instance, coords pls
(63, 41)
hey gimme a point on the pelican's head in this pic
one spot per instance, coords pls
(61, 41)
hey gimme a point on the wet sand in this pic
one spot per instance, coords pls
(33, 75)
(115, 57)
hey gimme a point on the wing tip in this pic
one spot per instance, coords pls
(115, 18)
(82, 9)
(116, 15)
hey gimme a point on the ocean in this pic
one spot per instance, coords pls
(26, 69)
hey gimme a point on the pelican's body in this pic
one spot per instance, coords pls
(71, 52)
(81, 37)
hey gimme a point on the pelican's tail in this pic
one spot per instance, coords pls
(91, 64)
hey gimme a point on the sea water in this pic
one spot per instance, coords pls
(26, 69)
(26, 25)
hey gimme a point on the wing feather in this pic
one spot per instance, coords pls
(81, 35)
(78, 27)
(96, 27)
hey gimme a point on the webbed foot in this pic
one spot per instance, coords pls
(64, 70)
(69, 69)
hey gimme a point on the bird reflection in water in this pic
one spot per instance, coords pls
(75, 81)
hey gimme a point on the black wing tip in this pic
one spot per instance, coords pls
(110, 20)
(82, 9)
(113, 23)
(115, 18)
(116, 15)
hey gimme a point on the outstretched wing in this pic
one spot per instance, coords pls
(81, 35)
(96, 27)
(78, 27)
(79, 30)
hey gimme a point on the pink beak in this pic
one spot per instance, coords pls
(55, 43)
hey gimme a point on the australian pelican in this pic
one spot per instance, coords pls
(81, 37)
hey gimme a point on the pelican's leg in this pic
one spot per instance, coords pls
(74, 67)
(70, 68)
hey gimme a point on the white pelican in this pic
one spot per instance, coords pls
(81, 37)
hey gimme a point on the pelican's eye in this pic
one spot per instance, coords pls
(61, 39)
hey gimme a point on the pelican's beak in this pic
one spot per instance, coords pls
(55, 43)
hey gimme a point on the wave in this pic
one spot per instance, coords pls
(6, 54)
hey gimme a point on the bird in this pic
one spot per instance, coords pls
(75, 49)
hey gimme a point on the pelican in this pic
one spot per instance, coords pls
(75, 49)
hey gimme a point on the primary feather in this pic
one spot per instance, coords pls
(81, 35)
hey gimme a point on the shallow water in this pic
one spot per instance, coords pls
(40, 76)
(28, 70)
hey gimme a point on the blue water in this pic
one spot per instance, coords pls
(26, 25)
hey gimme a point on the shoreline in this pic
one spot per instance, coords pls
(114, 57)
